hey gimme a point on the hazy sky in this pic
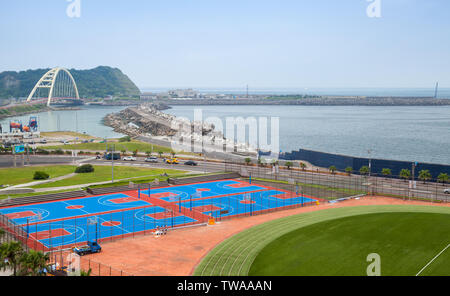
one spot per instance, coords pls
(228, 43)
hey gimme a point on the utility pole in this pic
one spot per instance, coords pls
(112, 152)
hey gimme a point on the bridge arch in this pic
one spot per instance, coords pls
(48, 81)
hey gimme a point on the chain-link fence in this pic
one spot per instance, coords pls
(64, 262)
(336, 185)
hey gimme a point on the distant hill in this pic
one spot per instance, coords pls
(99, 82)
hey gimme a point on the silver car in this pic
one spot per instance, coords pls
(447, 191)
(151, 159)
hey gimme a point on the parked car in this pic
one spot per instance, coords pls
(447, 191)
(151, 159)
(191, 162)
(129, 158)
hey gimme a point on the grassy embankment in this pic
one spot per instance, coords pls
(20, 110)
(132, 146)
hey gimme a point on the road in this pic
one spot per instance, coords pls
(7, 161)
(202, 167)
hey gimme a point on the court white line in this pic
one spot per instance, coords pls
(98, 217)
(432, 260)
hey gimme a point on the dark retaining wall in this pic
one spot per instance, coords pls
(341, 162)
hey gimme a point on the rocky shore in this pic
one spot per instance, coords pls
(147, 121)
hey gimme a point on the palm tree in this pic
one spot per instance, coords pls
(160, 154)
(364, 170)
(259, 162)
(10, 254)
(405, 174)
(386, 172)
(303, 166)
(425, 175)
(443, 178)
(33, 263)
(349, 170)
(332, 169)
(289, 165)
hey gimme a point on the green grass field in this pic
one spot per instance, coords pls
(337, 242)
(103, 173)
(128, 146)
(15, 176)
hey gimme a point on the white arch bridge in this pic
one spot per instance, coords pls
(56, 85)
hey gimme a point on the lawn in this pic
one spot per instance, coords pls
(103, 173)
(65, 135)
(325, 242)
(15, 176)
(128, 146)
(341, 246)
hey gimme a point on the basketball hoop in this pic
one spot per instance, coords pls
(93, 220)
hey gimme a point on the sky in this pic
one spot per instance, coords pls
(232, 43)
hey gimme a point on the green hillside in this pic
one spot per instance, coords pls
(99, 82)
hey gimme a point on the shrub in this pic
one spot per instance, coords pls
(87, 168)
(59, 152)
(42, 151)
(41, 176)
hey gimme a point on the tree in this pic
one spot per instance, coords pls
(33, 263)
(135, 153)
(364, 170)
(160, 154)
(173, 153)
(148, 153)
(405, 174)
(425, 175)
(332, 169)
(248, 161)
(259, 162)
(349, 170)
(10, 255)
(302, 166)
(123, 151)
(289, 165)
(386, 172)
(443, 178)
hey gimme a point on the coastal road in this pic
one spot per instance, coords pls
(202, 167)
(7, 161)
